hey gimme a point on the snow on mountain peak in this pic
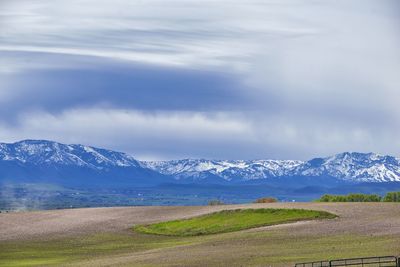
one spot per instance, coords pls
(46, 152)
(357, 167)
(226, 169)
(353, 167)
(347, 166)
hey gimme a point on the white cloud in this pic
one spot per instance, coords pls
(149, 135)
(142, 134)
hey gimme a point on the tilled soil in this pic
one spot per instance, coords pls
(357, 218)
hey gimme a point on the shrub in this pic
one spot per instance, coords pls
(392, 197)
(266, 200)
(351, 198)
(215, 202)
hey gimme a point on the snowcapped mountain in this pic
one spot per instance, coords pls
(355, 167)
(226, 169)
(77, 165)
(349, 167)
(39, 152)
(40, 161)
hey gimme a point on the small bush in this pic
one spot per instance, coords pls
(215, 202)
(266, 200)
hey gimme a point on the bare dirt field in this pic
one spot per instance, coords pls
(362, 229)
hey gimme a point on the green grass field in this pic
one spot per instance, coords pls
(53, 252)
(241, 248)
(230, 221)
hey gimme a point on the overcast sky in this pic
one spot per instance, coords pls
(228, 79)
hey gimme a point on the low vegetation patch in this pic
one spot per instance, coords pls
(230, 221)
(389, 197)
(215, 202)
(350, 198)
(266, 200)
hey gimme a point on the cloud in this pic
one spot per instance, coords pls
(301, 78)
(143, 134)
(350, 65)
(166, 135)
(107, 84)
(177, 33)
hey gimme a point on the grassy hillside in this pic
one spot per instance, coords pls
(231, 220)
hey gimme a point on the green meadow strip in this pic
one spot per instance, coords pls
(230, 221)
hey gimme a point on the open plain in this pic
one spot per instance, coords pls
(104, 237)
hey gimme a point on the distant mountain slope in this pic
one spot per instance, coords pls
(348, 167)
(355, 167)
(39, 152)
(40, 161)
(229, 170)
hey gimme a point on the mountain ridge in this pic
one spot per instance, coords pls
(44, 151)
(42, 161)
(349, 166)
(43, 156)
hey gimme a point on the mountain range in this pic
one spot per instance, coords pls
(40, 161)
(349, 167)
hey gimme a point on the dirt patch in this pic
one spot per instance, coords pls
(362, 218)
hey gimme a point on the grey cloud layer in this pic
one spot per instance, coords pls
(299, 78)
(129, 86)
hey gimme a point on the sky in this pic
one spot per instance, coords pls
(170, 79)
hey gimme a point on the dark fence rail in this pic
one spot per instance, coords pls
(385, 261)
(313, 264)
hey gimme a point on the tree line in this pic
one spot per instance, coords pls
(389, 197)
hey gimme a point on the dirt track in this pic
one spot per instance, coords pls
(363, 218)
